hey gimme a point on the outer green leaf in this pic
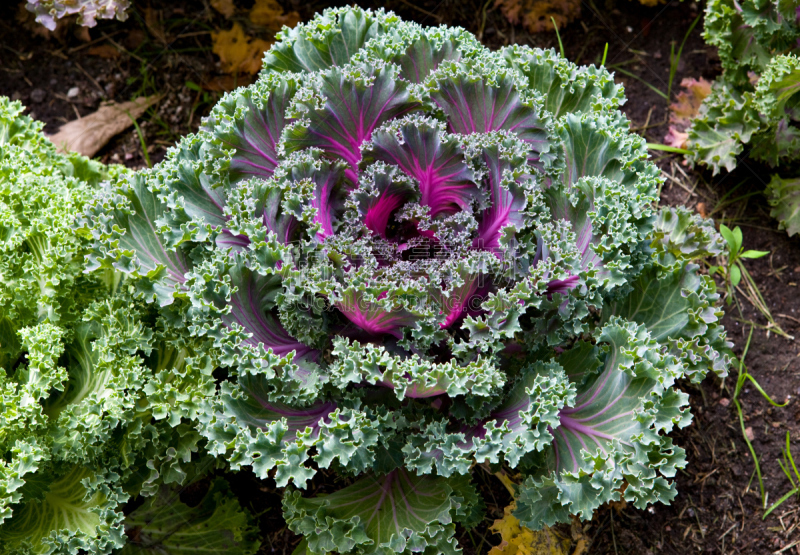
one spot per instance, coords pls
(79, 511)
(164, 525)
(784, 197)
(395, 513)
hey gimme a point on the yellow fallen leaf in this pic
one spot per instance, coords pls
(91, 133)
(225, 7)
(518, 540)
(237, 51)
(269, 14)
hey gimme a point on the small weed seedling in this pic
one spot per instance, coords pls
(786, 464)
(734, 272)
(741, 378)
(675, 57)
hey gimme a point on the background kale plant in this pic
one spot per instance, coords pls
(755, 102)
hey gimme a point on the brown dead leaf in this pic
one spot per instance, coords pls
(91, 133)
(238, 52)
(685, 109)
(676, 138)
(225, 7)
(134, 39)
(687, 102)
(82, 34)
(269, 14)
(535, 14)
(104, 51)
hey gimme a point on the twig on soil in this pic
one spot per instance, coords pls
(722, 537)
(650, 126)
(792, 318)
(426, 12)
(122, 48)
(646, 121)
(93, 42)
(92, 79)
(781, 550)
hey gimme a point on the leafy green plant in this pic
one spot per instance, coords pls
(96, 395)
(790, 470)
(733, 271)
(398, 256)
(742, 378)
(755, 103)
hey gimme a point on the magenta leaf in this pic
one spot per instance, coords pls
(375, 314)
(422, 151)
(254, 137)
(251, 310)
(353, 109)
(474, 106)
(380, 195)
(507, 202)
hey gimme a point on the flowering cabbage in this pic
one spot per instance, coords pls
(406, 254)
(755, 102)
(88, 11)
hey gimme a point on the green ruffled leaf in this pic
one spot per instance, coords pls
(784, 197)
(164, 525)
(79, 511)
(395, 513)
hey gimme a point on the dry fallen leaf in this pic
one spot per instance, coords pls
(685, 109)
(518, 540)
(225, 7)
(237, 51)
(675, 138)
(82, 34)
(91, 133)
(104, 51)
(687, 103)
(269, 14)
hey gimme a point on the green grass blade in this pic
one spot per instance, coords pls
(558, 36)
(666, 148)
(779, 502)
(674, 61)
(656, 90)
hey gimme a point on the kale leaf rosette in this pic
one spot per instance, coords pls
(756, 100)
(411, 254)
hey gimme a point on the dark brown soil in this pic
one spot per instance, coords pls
(719, 506)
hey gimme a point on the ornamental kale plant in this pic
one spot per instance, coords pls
(97, 390)
(399, 254)
(755, 102)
